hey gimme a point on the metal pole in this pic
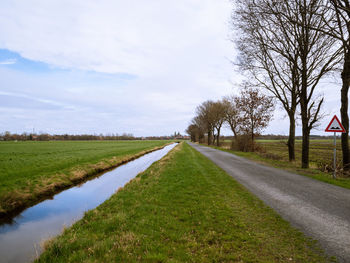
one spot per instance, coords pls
(335, 157)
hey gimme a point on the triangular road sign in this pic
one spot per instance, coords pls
(335, 125)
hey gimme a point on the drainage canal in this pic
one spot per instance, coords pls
(21, 240)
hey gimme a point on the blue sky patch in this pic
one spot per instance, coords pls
(16, 61)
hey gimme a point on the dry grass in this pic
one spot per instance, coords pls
(275, 153)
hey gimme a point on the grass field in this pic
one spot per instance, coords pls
(29, 170)
(182, 209)
(321, 151)
(275, 153)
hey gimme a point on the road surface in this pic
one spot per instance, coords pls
(318, 209)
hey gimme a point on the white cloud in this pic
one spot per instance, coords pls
(137, 37)
(177, 50)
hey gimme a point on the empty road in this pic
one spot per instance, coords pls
(320, 210)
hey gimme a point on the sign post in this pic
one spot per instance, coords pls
(335, 157)
(335, 126)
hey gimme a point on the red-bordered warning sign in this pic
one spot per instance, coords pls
(335, 125)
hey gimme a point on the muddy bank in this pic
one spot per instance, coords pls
(15, 202)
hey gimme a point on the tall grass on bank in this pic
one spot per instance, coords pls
(182, 209)
(30, 170)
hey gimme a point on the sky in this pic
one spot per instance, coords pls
(113, 66)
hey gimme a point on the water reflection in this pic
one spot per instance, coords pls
(20, 240)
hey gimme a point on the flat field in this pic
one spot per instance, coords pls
(320, 150)
(275, 153)
(30, 169)
(182, 209)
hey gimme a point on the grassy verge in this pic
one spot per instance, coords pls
(290, 166)
(31, 171)
(182, 209)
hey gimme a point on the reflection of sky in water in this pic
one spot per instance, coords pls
(20, 240)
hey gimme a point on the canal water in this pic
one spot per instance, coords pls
(21, 240)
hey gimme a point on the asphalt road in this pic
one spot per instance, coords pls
(320, 210)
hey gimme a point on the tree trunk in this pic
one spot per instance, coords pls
(234, 140)
(218, 138)
(305, 149)
(304, 103)
(233, 129)
(306, 132)
(209, 136)
(305, 129)
(344, 112)
(291, 137)
(252, 138)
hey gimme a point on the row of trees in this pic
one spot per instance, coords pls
(287, 47)
(246, 115)
(7, 136)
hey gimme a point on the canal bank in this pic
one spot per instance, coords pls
(182, 209)
(22, 239)
(23, 186)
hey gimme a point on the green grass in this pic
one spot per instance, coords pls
(182, 209)
(275, 153)
(30, 169)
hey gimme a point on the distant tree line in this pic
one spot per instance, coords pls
(246, 115)
(287, 48)
(8, 136)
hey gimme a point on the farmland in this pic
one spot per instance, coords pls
(30, 170)
(182, 209)
(275, 153)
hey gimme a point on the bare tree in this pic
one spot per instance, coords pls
(268, 53)
(206, 119)
(231, 114)
(342, 33)
(232, 118)
(335, 14)
(316, 59)
(255, 110)
(312, 57)
(192, 131)
(218, 112)
(196, 130)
